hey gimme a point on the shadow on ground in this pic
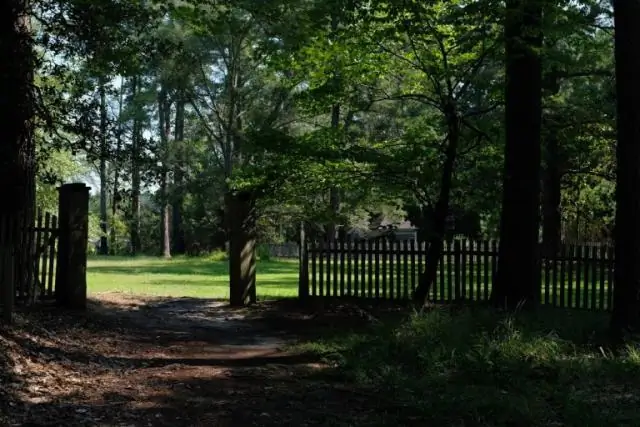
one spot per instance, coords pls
(179, 362)
(133, 361)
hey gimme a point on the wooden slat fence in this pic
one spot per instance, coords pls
(579, 277)
(35, 255)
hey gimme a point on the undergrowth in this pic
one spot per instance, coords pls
(477, 367)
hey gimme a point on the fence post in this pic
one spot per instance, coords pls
(457, 254)
(303, 277)
(71, 265)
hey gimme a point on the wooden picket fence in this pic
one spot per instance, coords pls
(581, 276)
(34, 260)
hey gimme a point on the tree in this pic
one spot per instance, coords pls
(17, 150)
(518, 276)
(445, 48)
(626, 299)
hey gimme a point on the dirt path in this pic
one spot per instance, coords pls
(186, 362)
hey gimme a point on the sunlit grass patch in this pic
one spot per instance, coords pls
(206, 277)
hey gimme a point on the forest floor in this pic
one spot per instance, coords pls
(165, 361)
(154, 361)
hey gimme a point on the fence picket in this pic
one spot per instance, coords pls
(355, 255)
(579, 254)
(20, 255)
(334, 265)
(400, 263)
(393, 251)
(376, 269)
(314, 280)
(450, 258)
(602, 265)
(369, 268)
(457, 253)
(553, 298)
(321, 277)
(580, 276)
(472, 254)
(485, 269)
(569, 262)
(384, 261)
(564, 254)
(341, 266)
(38, 254)
(464, 257)
(52, 253)
(30, 232)
(586, 265)
(46, 235)
(363, 268)
(479, 267)
(594, 278)
(610, 278)
(546, 262)
(405, 269)
(441, 274)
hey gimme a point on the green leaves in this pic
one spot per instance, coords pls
(262, 79)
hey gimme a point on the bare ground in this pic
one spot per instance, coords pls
(132, 361)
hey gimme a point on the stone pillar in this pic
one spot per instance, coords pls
(71, 267)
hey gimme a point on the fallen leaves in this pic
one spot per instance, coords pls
(132, 361)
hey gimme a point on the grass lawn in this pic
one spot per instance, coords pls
(185, 277)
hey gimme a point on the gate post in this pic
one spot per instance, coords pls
(71, 265)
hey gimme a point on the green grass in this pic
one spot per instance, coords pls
(477, 367)
(185, 277)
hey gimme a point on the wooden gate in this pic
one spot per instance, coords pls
(33, 260)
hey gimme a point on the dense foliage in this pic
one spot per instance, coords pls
(215, 123)
(167, 106)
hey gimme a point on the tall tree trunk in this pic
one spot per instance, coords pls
(104, 153)
(17, 152)
(164, 115)
(441, 210)
(178, 239)
(551, 196)
(625, 317)
(135, 175)
(115, 195)
(518, 276)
